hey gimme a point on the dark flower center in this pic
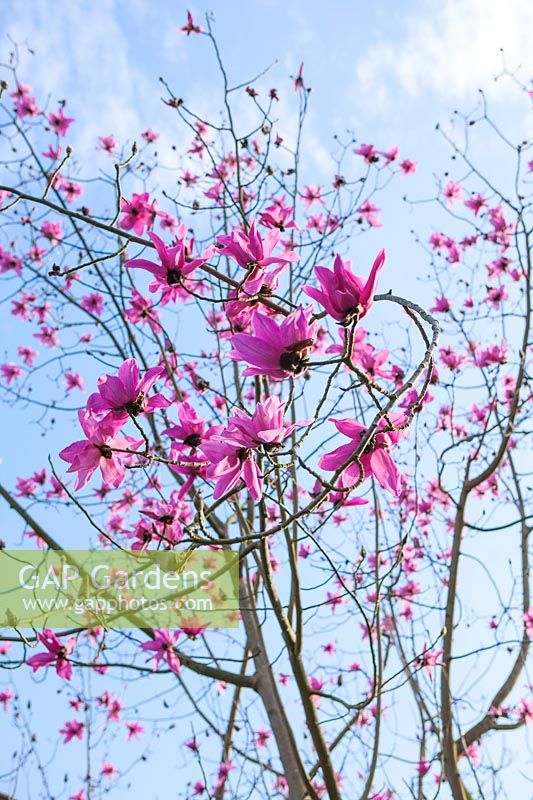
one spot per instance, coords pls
(106, 451)
(193, 440)
(173, 277)
(136, 407)
(271, 447)
(294, 359)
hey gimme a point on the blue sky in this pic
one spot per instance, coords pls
(389, 71)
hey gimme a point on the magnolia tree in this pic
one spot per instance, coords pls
(223, 378)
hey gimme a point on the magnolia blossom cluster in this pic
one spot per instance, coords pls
(273, 346)
(274, 432)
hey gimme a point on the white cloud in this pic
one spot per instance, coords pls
(452, 49)
(84, 56)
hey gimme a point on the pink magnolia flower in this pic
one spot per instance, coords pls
(126, 393)
(262, 283)
(59, 122)
(192, 745)
(191, 26)
(375, 459)
(150, 135)
(430, 659)
(278, 215)
(25, 487)
(167, 519)
(10, 372)
(496, 296)
(139, 213)
(163, 645)
(231, 452)
(476, 203)
(167, 222)
(261, 737)
(93, 302)
(70, 189)
(141, 310)
(96, 451)
(78, 796)
(372, 362)
(53, 153)
(525, 709)
(224, 770)
(369, 212)
(190, 433)
(134, 730)
(452, 192)
(344, 295)
(58, 653)
(74, 381)
(358, 345)
(73, 729)
(493, 354)
(36, 253)
(528, 622)
(26, 106)
(27, 354)
(52, 231)
(316, 685)
(192, 632)
(9, 261)
(442, 305)
(48, 336)
(5, 697)
(312, 194)
(369, 153)
(299, 79)
(108, 770)
(176, 265)
(276, 350)
(408, 167)
(22, 90)
(253, 252)
(473, 753)
(391, 154)
(114, 707)
(107, 144)
(437, 240)
(454, 361)
(499, 266)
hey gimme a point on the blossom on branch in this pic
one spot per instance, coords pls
(101, 449)
(276, 350)
(162, 646)
(232, 451)
(126, 393)
(58, 653)
(176, 265)
(375, 460)
(344, 295)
